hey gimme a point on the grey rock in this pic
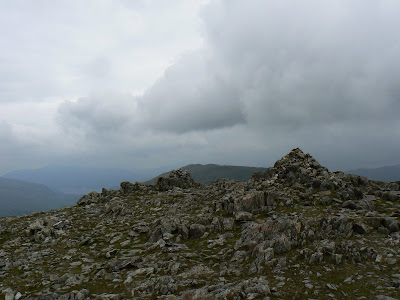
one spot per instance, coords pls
(349, 204)
(382, 297)
(251, 202)
(92, 197)
(196, 230)
(383, 230)
(176, 178)
(127, 187)
(17, 296)
(228, 223)
(338, 258)
(8, 294)
(243, 216)
(178, 239)
(331, 286)
(360, 228)
(394, 186)
(393, 226)
(390, 196)
(375, 222)
(326, 200)
(108, 297)
(165, 285)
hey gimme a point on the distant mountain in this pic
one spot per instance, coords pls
(79, 181)
(388, 173)
(154, 242)
(207, 173)
(20, 197)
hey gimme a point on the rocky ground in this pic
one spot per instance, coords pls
(296, 231)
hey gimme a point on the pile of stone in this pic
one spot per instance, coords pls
(296, 231)
(176, 178)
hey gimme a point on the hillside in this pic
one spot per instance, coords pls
(21, 197)
(387, 174)
(75, 180)
(207, 173)
(295, 231)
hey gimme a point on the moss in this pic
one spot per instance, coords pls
(5, 236)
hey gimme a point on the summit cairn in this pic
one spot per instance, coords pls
(296, 166)
(176, 178)
(295, 231)
(299, 171)
(297, 157)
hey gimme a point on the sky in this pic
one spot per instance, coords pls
(147, 84)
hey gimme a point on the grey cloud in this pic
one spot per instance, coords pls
(97, 116)
(186, 98)
(6, 134)
(66, 49)
(272, 75)
(190, 96)
(283, 65)
(100, 67)
(323, 77)
(297, 65)
(17, 150)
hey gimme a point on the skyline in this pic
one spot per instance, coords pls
(142, 84)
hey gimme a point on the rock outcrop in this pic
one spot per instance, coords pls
(296, 231)
(177, 178)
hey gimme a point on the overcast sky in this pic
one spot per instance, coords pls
(151, 83)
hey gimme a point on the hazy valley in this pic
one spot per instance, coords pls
(292, 231)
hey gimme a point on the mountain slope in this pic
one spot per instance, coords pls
(387, 174)
(20, 197)
(74, 180)
(296, 231)
(207, 173)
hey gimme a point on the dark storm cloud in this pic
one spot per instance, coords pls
(97, 116)
(188, 97)
(191, 96)
(281, 64)
(309, 62)
(271, 76)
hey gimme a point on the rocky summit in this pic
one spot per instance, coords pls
(296, 231)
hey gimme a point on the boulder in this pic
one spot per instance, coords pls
(243, 216)
(196, 230)
(391, 196)
(176, 178)
(92, 197)
(127, 187)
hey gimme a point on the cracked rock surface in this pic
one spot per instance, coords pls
(296, 231)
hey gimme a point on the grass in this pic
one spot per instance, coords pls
(145, 207)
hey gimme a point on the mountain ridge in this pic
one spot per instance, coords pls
(385, 173)
(21, 197)
(295, 231)
(206, 173)
(79, 180)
